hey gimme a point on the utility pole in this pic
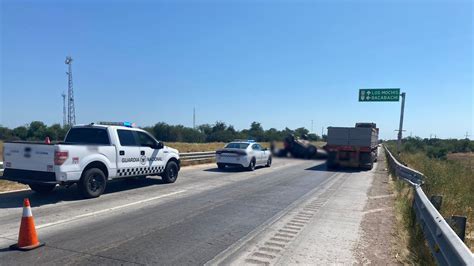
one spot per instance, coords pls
(64, 109)
(194, 117)
(467, 135)
(71, 111)
(400, 128)
(312, 131)
(322, 131)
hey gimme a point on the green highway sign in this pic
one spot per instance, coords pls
(379, 95)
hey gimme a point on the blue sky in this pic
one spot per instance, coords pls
(280, 63)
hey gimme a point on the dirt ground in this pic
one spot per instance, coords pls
(377, 245)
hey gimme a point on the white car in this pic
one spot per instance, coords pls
(90, 156)
(243, 153)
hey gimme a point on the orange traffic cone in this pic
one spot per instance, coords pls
(27, 238)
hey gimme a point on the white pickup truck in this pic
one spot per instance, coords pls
(89, 156)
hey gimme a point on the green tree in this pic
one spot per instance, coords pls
(21, 132)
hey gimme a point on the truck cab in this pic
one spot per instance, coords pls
(90, 156)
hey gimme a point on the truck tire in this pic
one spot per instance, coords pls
(331, 166)
(369, 167)
(92, 183)
(251, 166)
(221, 166)
(42, 188)
(171, 173)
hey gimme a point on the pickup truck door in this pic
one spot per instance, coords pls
(128, 153)
(151, 158)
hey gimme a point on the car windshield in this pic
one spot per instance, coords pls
(236, 145)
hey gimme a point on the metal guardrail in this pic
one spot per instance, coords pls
(185, 157)
(197, 156)
(444, 243)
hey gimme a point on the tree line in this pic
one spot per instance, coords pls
(437, 148)
(217, 132)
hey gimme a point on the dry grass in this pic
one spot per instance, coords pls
(411, 246)
(454, 180)
(466, 159)
(195, 147)
(8, 186)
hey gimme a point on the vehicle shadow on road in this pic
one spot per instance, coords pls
(235, 169)
(228, 169)
(15, 199)
(323, 168)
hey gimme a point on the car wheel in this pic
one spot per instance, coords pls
(269, 161)
(221, 166)
(171, 173)
(92, 183)
(42, 188)
(251, 166)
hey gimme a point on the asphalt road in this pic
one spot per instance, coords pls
(206, 216)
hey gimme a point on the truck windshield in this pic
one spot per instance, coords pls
(96, 136)
(237, 145)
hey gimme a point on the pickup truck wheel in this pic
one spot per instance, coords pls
(171, 173)
(221, 166)
(251, 166)
(92, 183)
(42, 188)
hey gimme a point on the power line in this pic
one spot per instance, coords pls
(71, 111)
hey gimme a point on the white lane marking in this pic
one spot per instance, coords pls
(107, 210)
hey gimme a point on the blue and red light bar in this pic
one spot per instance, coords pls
(124, 124)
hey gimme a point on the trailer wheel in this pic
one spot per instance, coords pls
(331, 166)
(368, 167)
(42, 188)
(92, 183)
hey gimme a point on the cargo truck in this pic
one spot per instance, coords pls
(352, 146)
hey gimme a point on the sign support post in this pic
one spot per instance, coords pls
(400, 129)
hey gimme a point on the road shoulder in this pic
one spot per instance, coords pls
(377, 243)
